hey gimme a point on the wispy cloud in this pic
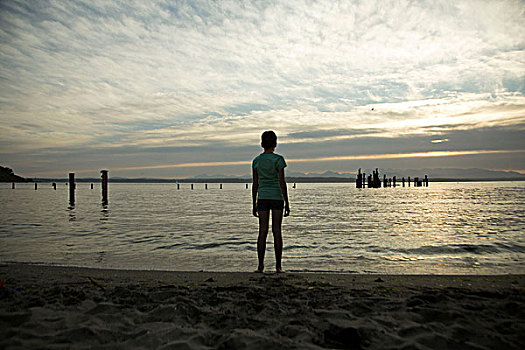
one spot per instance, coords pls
(104, 75)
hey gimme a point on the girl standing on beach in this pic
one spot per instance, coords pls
(269, 192)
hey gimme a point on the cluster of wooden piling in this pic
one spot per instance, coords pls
(72, 187)
(71, 184)
(373, 180)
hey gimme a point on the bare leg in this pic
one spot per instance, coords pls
(264, 218)
(277, 219)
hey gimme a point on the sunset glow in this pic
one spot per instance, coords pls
(325, 159)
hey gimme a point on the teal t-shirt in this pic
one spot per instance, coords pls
(268, 167)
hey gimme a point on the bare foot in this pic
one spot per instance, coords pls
(279, 271)
(259, 270)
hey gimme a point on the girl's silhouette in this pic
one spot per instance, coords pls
(269, 193)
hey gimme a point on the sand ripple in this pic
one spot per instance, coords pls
(177, 311)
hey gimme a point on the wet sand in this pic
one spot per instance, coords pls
(65, 307)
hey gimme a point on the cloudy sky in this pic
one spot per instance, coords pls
(180, 88)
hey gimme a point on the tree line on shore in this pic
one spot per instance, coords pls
(7, 175)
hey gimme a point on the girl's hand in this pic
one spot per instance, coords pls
(254, 212)
(286, 210)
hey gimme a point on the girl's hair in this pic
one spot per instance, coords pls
(268, 140)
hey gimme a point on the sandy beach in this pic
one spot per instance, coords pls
(65, 307)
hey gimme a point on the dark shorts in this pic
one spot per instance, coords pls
(267, 204)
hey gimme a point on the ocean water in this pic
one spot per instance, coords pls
(447, 228)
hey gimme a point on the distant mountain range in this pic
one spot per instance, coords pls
(288, 174)
(433, 173)
(452, 173)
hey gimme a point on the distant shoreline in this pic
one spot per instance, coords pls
(247, 180)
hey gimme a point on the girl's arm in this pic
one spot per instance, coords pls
(284, 191)
(255, 187)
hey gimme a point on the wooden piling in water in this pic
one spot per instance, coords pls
(408, 181)
(192, 186)
(72, 189)
(36, 186)
(205, 186)
(104, 176)
(376, 179)
(178, 186)
(359, 179)
(403, 181)
(393, 181)
(385, 181)
(426, 181)
(13, 186)
(91, 186)
(220, 187)
(54, 186)
(246, 186)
